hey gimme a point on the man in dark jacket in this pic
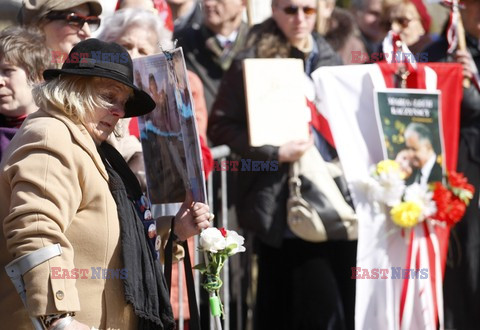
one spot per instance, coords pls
(210, 48)
(297, 287)
(186, 13)
(426, 169)
(462, 273)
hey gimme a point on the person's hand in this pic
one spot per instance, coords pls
(191, 218)
(465, 59)
(293, 150)
(75, 325)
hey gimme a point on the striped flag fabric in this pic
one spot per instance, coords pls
(346, 100)
(452, 28)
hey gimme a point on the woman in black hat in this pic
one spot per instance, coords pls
(61, 183)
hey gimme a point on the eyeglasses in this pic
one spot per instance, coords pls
(293, 10)
(75, 20)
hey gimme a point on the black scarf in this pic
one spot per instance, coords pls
(145, 286)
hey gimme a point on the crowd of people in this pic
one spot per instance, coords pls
(72, 169)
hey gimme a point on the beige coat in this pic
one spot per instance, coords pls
(54, 189)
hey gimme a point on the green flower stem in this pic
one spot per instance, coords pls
(213, 282)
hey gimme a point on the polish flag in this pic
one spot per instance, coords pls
(346, 95)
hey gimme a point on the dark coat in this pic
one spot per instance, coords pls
(462, 273)
(194, 19)
(261, 196)
(204, 56)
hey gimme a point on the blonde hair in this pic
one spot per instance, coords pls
(75, 96)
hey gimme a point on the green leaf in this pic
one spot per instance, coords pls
(230, 248)
(456, 191)
(465, 196)
(201, 267)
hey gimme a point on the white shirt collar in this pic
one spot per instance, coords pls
(427, 169)
(223, 40)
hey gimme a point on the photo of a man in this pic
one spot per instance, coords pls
(426, 168)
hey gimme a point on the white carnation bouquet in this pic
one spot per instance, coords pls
(217, 245)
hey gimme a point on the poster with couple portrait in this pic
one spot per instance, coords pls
(171, 147)
(409, 121)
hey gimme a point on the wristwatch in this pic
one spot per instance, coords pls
(48, 320)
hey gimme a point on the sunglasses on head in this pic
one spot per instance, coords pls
(75, 20)
(293, 10)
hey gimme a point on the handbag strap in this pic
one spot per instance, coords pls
(294, 182)
(194, 323)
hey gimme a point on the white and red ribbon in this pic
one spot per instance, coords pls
(421, 301)
(452, 29)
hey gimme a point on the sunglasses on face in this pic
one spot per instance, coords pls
(75, 20)
(293, 10)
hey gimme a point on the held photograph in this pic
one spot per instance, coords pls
(409, 121)
(169, 135)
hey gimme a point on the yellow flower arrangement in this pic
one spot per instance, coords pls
(412, 204)
(406, 214)
(387, 166)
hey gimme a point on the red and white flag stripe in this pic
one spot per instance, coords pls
(346, 102)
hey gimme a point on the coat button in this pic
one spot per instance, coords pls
(60, 295)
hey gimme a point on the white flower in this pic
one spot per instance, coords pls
(386, 188)
(234, 238)
(212, 240)
(421, 195)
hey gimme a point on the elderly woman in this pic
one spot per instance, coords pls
(410, 20)
(61, 183)
(143, 33)
(65, 23)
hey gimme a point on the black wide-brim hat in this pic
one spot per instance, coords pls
(95, 58)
